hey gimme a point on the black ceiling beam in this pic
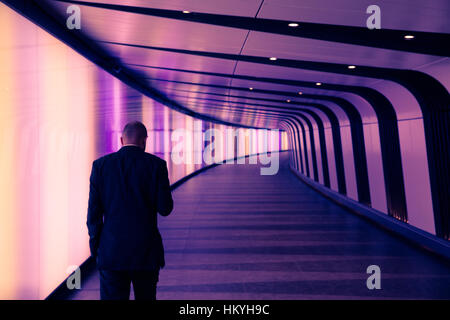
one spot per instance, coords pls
(328, 67)
(424, 42)
(239, 102)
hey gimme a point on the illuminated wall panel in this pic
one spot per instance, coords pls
(9, 224)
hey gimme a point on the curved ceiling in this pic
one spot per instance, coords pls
(214, 60)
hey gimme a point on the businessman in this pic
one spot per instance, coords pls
(127, 190)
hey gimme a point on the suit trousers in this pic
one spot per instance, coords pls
(115, 285)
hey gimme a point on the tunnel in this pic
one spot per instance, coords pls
(307, 143)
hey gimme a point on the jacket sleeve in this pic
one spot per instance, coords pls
(164, 199)
(95, 211)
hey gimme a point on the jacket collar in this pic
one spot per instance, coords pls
(130, 147)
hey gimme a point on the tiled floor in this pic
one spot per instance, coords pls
(235, 234)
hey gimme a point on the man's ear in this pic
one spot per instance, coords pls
(144, 143)
(121, 140)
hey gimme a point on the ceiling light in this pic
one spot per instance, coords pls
(318, 83)
(293, 24)
(251, 88)
(409, 37)
(185, 11)
(288, 100)
(351, 67)
(273, 58)
(300, 92)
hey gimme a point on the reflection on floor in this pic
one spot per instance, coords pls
(235, 234)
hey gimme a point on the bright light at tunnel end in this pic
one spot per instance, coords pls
(220, 146)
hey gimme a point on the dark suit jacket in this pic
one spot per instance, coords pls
(127, 189)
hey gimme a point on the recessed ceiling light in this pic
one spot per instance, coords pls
(185, 11)
(351, 67)
(293, 24)
(273, 58)
(300, 92)
(318, 83)
(409, 37)
(288, 100)
(251, 88)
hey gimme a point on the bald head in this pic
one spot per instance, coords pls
(134, 133)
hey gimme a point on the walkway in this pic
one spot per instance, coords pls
(235, 234)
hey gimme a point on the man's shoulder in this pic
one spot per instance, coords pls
(110, 157)
(104, 158)
(155, 158)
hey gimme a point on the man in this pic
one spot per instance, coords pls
(127, 189)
